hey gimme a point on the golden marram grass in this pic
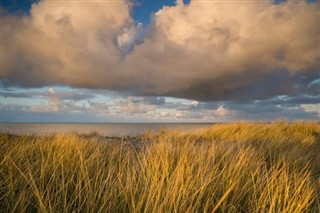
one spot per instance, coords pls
(237, 167)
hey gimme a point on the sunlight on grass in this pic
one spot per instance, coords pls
(237, 167)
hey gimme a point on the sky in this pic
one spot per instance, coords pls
(159, 61)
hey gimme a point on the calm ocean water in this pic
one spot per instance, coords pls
(107, 129)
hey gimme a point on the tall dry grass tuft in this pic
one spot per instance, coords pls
(237, 167)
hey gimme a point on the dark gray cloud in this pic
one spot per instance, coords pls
(198, 106)
(140, 105)
(274, 113)
(297, 100)
(154, 100)
(51, 93)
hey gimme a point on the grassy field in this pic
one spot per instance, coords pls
(237, 167)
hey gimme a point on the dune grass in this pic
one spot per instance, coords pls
(237, 167)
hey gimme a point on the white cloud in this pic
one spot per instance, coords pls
(129, 38)
(312, 108)
(221, 111)
(51, 90)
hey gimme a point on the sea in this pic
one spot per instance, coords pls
(105, 129)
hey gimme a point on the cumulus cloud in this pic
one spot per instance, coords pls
(130, 37)
(206, 50)
(233, 50)
(64, 42)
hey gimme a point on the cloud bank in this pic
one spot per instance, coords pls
(206, 50)
(83, 105)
